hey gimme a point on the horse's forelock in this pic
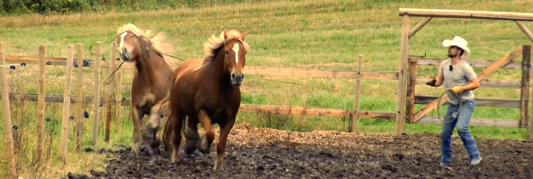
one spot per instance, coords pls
(156, 41)
(212, 45)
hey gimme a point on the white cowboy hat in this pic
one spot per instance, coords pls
(459, 42)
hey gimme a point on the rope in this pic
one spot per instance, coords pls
(109, 79)
(456, 112)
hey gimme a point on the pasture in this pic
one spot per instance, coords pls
(326, 35)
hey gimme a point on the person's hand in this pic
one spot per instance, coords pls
(457, 89)
(432, 82)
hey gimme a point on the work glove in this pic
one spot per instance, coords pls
(432, 82)
(457, 89)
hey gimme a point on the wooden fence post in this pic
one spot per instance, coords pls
(96, 99)
(8, 133)
(118, 107)
(526, 70)
(40, 105)
(404, 50)
(66, 102)
(355, 115)
(411, 86)
(109, 101)
(79, 100)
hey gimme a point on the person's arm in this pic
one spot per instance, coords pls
(474, 84)
(470, 75)
(437, 81)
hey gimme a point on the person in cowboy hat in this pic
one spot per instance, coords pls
(460, 80)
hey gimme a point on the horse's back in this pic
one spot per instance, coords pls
(186, 67)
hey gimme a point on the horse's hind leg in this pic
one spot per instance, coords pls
(222, 139)
(191, 135)
(151, 128)
(207, 139)
(136, 115)
(177, 123)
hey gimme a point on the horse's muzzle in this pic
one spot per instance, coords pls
(125, 55)
(236, 79)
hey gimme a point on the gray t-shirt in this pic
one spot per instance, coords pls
(460, 75)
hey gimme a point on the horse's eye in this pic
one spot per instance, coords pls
(227, 53)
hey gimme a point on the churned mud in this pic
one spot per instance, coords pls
(254, 153)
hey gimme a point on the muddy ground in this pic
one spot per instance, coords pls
(255, 153)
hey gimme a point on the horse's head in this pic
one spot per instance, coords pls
(130, 45)
(235, 58)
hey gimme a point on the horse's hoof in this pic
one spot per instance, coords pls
(155, 144)
(135, 149)
(218, 167)
(135, 153)
(147, 139)
(190, 146)
(218, 164)
(202, 145)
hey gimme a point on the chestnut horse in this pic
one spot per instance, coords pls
(151, 83)
(206, 91)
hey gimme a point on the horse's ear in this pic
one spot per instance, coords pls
(242, 36)
(225, 35)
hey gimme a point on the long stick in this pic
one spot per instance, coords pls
(8, 134)
(40, 105)
(525, 30)
(357, 91)
(404, 49)
(449, 13)
(118, 107)
(110, 93)
(419, 26)
(66, 104)
(79, 100)
(96, 102)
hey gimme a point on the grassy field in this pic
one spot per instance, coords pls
(328, 34)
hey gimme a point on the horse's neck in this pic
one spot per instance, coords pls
(218, 66)
(150, 69)
(218, 72)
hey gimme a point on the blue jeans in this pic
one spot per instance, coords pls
(462, 120)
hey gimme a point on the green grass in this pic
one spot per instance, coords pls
(306, 34)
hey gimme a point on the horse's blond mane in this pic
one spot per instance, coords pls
(155, 39)
(214, 43)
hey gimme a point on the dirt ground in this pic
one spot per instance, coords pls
(267, 153)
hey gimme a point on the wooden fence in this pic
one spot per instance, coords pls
(413, 80)
(406, 101)
(110, 100)
(490, 66)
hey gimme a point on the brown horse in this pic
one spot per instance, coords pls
(151, 83)
(207, 91)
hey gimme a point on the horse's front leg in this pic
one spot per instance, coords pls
(151, 128)
(222, 139)
(207, 139)
(136, 115)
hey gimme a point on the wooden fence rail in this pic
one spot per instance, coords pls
(490, 67)
(110, 100)
(324, 112)
(507, 58)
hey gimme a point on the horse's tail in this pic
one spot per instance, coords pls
(167, 137)
(167, 132)
(164, 105)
